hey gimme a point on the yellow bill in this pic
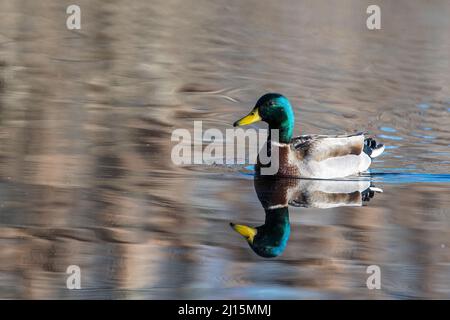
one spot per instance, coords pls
(247, 232)
(248, 119)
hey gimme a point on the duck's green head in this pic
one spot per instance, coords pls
(276, 110)
(270, 239)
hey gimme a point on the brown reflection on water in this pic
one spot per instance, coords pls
(85, 124)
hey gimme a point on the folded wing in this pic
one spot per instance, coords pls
(321, 147)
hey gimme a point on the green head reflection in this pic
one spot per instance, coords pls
(270, 239)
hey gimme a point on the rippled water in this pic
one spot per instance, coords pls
(86, 177)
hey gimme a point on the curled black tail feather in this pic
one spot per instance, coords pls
(371, 148)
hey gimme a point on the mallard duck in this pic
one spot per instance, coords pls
(276, 195)
(310, 156)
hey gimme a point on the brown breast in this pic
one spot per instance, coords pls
(285, 168)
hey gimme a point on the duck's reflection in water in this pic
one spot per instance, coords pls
(270, 239)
